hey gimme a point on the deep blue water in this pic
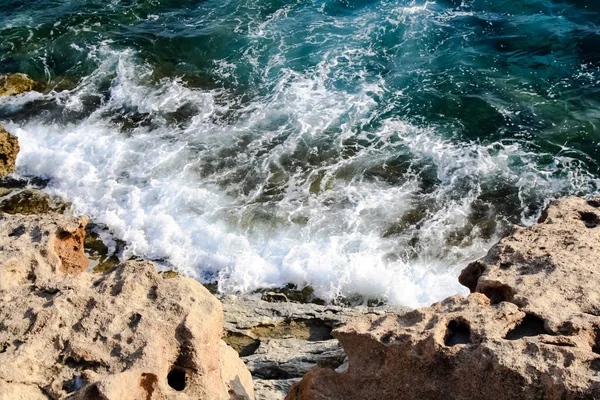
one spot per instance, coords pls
(370, 147)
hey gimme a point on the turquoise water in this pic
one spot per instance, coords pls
(370, 147)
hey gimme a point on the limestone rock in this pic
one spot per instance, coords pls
(19, 391)
(529, 330)
(280, 341)
(273, 389)
(13, 84)
(124, 334)
(292, 358)
(36, 248)
(9, 148)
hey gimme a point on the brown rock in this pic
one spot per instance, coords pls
(530, 330)
(9, 148)
(125, 334)
(68, 245)
(13, 84)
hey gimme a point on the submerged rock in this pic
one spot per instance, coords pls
(529, 330)
(12, 84)
(9, 148)
(126, 334)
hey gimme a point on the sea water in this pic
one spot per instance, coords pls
(363, 147)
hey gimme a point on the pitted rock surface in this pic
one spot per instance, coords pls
(9, 148)
(124, 334)
(529, 330)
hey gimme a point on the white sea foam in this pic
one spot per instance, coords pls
(160, 187)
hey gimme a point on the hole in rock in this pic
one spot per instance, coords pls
(531, 325)
(543, 217)
(594, 203)
(458, 332)
(590, 219)
(73, 384)
(387, 338)
(176, 378)
(64, 235)
(498, 293)
(596, 345)
(18, 231)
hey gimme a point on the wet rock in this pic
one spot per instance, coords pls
(30, 202)
(102, 248)
(529, 330)
(12, 84)
(9, 148)
(291, 293)
(169, 274)
(291, 358)
(280, 341)
(125, 334)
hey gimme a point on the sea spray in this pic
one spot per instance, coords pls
(366, 147)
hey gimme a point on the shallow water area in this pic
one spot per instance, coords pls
(361, 147)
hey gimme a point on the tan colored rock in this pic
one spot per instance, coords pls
(530, 330)
(13, 84)
(551, 269)
(35, 248)
(9, 148)
(18, 391)
(124, 334)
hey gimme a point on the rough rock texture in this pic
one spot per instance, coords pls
(280, 340)
(29, 201)
(13, 84)
(9, 148)
(124, 334)
(36, 248)
(530, 330)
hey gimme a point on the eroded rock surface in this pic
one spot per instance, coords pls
(280, 341)
(529, 330)
(9, 148)
(37, 248)
(124, 334)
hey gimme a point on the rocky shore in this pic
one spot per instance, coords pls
(530, 329)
